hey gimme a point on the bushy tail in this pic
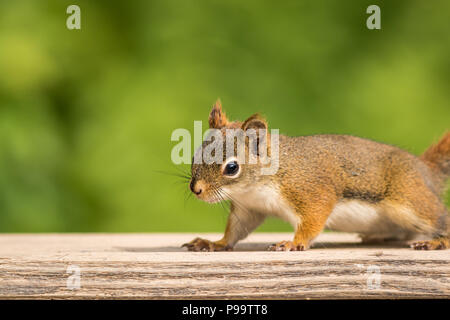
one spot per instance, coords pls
(438, 156)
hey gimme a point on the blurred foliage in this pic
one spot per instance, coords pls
(86, 115)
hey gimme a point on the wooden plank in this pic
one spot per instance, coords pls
(153, 266)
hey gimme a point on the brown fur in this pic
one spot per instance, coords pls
(438, 156)
(217, 118)
(318, 172)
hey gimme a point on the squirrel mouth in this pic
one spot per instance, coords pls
(213, 199)
(212, 195)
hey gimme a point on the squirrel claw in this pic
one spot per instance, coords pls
(421, 245)
(435, 244)
(199, 244)
(286, 246)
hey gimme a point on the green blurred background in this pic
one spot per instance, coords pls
(86, 115)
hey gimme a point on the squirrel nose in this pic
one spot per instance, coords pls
(192, 186)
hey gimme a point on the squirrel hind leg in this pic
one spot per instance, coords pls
(441, 237)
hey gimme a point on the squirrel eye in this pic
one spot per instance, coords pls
(231, 168)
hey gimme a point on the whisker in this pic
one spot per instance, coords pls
(173, 174)
(220, 198)
(184, 178)
(185, 172)
(223, 203)
(187, 196)
(240, 206)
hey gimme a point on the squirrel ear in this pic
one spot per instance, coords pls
(217, 118)
(255, 122)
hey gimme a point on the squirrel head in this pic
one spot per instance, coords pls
(238, 150)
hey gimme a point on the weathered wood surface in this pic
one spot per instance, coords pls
(153, 266)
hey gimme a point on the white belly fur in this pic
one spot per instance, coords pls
(360, 217)
(347, 216)
(266, 200)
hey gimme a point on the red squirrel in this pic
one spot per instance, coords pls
(339, 182)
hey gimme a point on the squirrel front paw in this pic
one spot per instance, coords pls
(435, 244)
(287, 246)
(199, 244)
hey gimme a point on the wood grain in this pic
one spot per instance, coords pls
(153, 266)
